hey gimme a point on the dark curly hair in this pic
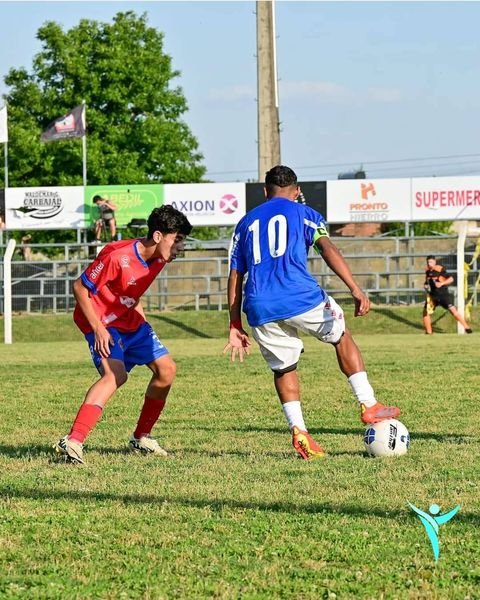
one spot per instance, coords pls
(168, 219)
(279, 177)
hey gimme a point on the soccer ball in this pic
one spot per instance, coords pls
(387, 438)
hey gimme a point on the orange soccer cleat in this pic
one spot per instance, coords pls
(305, 445)
(378, 412)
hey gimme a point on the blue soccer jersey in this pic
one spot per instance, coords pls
(270, 245)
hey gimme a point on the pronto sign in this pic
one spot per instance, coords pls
(208, 203)
(445, 198)
(368, 200)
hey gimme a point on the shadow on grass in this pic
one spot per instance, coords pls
(341, 453)
(448, 438)
(237, 453)
(26, 451)
(392, 314)
(179, 325)
(354, 510)
(184, 450)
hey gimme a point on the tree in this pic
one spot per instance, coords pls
(135, 132)
(421, 228)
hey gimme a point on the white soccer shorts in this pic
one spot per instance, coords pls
(280, 343)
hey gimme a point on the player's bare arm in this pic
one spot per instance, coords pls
(238, 340)
(445, 283)
(102, 336)
(139, 308)
(334, 259)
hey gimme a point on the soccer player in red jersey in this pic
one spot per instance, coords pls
(109, 314)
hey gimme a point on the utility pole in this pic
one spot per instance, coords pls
(267, 89)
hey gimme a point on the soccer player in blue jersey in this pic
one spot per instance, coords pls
(281, 298)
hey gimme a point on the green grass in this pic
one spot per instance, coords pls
(232, 513)
(213, 324)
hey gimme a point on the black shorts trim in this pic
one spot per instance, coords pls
(286, 369)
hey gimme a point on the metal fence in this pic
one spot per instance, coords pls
(44, 284)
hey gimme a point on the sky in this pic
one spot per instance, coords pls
(393, 87)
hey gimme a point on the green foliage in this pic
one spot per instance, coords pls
(212, 233)
(420, 228)
(49, 236)
(135, 132)
(231, 512)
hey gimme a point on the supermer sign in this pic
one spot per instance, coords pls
(408, 199)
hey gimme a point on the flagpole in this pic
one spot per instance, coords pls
(5, 154)
(84, 148)
(84, 144)
(5, 147)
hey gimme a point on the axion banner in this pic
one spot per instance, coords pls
(208, 203)
(445, 198)
(44, 208)
(368, 200)
(131, 201)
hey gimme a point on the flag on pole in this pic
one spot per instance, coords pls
(71, 125)
(3, 125)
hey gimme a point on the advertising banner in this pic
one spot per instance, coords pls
(445, 198)
(208, 203)
(368, 201)
(315, 193)
(44, 208)
(131, 201)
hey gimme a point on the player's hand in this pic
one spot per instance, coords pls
(238, 344)
(362, 302)
(103, 341)
(438, 284)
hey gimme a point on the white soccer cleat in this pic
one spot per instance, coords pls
(146, 445)
(72, 451)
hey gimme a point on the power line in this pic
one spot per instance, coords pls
(430, 167)
(397, 160)
(349, 163)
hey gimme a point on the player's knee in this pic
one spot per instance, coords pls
(165, 371)
(169, 371)
(115, 379)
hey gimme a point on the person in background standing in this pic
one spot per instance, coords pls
(436, 285)
(107, 219)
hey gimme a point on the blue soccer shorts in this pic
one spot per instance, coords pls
(133, 348)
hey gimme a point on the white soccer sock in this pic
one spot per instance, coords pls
(293, 413)
(362, 389)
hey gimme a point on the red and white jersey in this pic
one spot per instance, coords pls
(116, 280)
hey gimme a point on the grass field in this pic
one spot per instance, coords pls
(232, 513)
(213, 324)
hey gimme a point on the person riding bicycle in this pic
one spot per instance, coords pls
(107, 218)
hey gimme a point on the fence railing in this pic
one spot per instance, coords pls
(45, 285)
